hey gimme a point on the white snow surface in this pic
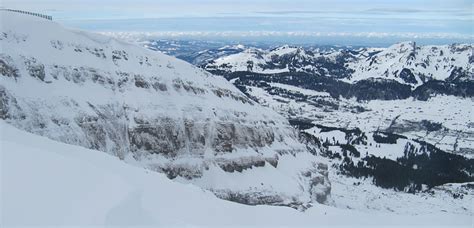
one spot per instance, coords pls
(361, 194)
(46, 183)
(453, 112)
(259, 58)
(147, 108)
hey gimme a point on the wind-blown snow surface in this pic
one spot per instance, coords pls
(48, 183)
(151, 110)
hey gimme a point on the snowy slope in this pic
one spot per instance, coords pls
(239, 61)
(47, 183)
(368, 91)
(383, 82)
(421, 63)
(443, 121)
(258, 60)
(151, 110)
(196, 52)
(405, 117)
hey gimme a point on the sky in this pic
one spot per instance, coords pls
(435, 21)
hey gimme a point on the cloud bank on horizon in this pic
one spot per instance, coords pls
(436, 20)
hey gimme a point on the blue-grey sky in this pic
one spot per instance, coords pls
(442, 20)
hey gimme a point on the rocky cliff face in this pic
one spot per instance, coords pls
(384, 140)
(152, 110)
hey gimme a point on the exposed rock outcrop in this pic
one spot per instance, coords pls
(148, 109)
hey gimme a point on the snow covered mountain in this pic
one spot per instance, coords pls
(387, 155)
(378, 128)
(398, 72)
(48, 183)
(282, 59)
(154, 111)
(391, 132)
(404, 62)
(411, 64)
(312, 84)
(194, 52)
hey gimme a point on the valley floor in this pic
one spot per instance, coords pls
(47, 183)
(364, 196)
(404, 117)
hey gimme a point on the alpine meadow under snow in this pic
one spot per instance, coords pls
(95, 131)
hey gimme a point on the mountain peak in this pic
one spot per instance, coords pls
(402, 47)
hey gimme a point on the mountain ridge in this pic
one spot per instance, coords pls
(404, 62)
(151, 110)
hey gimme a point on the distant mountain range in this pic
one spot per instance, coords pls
(392, 116)
(397, 72)
(400, 71)
(404, 62)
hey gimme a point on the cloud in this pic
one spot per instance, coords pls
(310, 16)
(418, 10)
(394, 10)
(152, 35)
(293, 12)
(373, 39)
